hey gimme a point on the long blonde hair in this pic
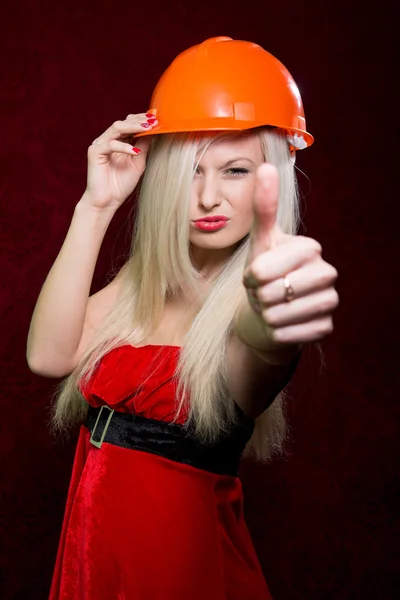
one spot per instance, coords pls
(159, 266)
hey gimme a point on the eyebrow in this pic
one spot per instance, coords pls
(233, 160)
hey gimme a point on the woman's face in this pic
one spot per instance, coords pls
(223, 185)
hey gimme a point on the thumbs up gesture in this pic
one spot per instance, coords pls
(288, 283)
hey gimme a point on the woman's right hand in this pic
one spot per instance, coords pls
(114, 169)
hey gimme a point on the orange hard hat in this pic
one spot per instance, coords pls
(225, 84)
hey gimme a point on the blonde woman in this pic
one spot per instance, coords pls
(177, 368)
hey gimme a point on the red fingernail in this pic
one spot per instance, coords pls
(136, 150)
(151, 121)
(150, 115)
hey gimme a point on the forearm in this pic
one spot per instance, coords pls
(252, 330)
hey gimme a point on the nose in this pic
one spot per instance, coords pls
(208, 193)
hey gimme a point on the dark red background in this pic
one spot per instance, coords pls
(325, 520)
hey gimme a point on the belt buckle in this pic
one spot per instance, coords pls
(99, 443)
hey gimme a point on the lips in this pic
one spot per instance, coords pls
(212, 219)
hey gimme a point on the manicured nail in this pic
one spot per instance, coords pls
(150, 115)
(151, 121)
(145, 124)
(136, 150)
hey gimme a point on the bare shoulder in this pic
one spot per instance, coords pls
(100, 303)
(98, 307)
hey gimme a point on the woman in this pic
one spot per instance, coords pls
(177, 368)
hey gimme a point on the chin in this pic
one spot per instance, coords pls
(214, 243)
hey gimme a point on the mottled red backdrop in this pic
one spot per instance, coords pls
(324, 520)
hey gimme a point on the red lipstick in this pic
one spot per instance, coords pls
(213, 218)
(211, 223)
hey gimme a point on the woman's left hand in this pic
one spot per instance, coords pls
(273, 255)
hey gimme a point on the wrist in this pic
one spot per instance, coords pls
(281, 356)
(86, 206)
(252, 330)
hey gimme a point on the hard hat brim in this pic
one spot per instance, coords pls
(229, 125)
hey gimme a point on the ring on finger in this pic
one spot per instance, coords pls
(289, 291)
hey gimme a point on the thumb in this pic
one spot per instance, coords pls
(265, 231)
(143, 143)
(139, 162)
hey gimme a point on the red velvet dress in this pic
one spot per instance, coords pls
(140, 526)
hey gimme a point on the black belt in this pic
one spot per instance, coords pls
(170, 440)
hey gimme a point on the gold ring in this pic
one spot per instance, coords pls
(289, 292)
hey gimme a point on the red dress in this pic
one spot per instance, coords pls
(140, 526)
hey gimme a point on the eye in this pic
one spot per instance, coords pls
(237, 171)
